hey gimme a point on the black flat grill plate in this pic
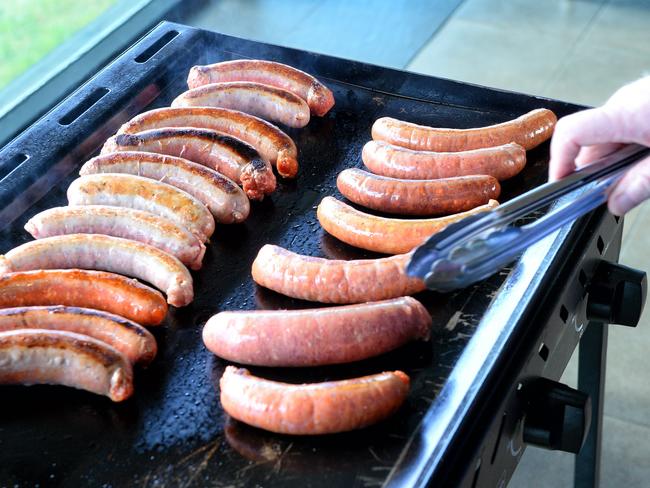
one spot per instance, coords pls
(173, 432)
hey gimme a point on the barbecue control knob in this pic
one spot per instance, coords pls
(557, 417)
(616, 294)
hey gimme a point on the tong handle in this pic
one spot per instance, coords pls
(531, 201)
(590, 186)
(609, 166)
(507, 243)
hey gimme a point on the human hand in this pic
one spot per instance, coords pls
(583, 137)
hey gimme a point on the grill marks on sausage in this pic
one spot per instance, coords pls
(65, 358)
(238, 147)
(225, 200)
(228, 155)
(272, 144)
(132, 340)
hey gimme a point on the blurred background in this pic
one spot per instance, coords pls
(574, 50)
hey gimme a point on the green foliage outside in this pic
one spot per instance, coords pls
(29, 29)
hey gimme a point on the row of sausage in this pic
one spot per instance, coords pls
(382, 319)
(145, 207)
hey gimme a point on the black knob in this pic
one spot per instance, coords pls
(616, 294)
(556, 417)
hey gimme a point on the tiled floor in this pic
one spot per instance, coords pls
(575, 50)
(579, 51)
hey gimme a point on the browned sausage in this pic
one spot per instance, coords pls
(315, 408)
(84, 288)
(417, 197)
(529, 131)
(381, 234)
(316, 337)
(227, 202)
(229, 156)
(124, 190)
(333, 280)
(502, 162)
(319, 98)
(37, 356)
(272, 144)
(134, 341)
(265, 101)
(123, 222)
(95, 251)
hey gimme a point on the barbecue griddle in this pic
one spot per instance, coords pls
(173, 432)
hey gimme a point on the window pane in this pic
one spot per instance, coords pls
(29, 29)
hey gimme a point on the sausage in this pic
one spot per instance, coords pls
(314, 408)
(229, 156)
(333, 280)
(265, 101)
(225, 200)
(319, 98)
(106, 253)
(120, 222)
(84, 288)
(124, 190)
(269, 141)
(501, 162)
(316, 337)
(417, 197)
(380, 234)
(132, 340)
(529, 131)
(37, 356)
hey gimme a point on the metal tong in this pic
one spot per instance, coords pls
(480, 245)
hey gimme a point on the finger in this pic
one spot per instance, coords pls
(584, 128)
(633, 189)
(589, 154)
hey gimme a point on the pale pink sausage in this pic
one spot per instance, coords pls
(528, 130)
(417, 197)
(382, 234)
(314, 408)
(316, 337)
(501, 162)
(333, 280)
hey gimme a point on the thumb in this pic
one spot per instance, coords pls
(633, 188)
(593, 126)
